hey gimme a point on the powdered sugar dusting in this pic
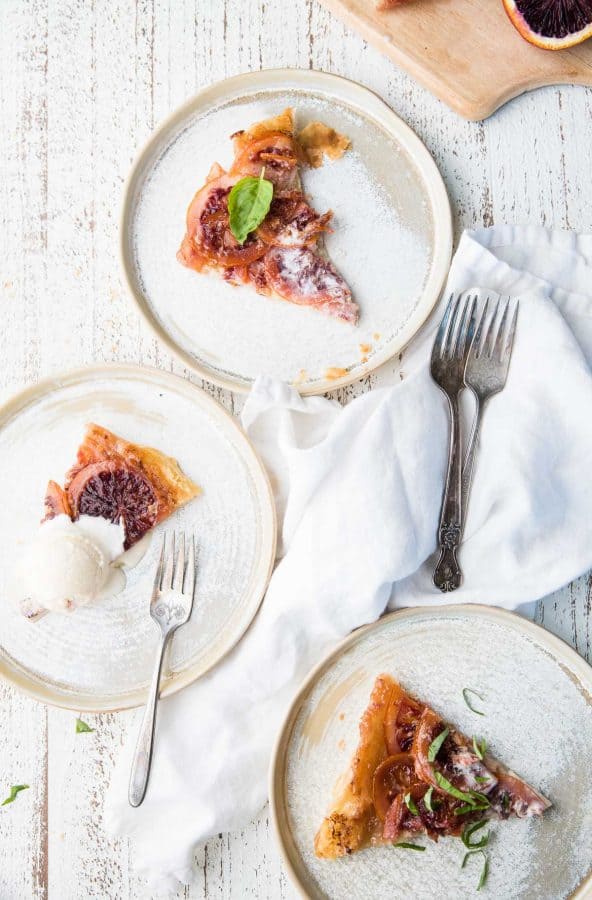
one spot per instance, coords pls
(382, 244)
(537, 722)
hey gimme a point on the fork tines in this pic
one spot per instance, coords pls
(498, 339)
(176, 568)
(454, 337)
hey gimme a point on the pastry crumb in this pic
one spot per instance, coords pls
(301, 377)
(376, 336)
(335, 372)
(318, 140)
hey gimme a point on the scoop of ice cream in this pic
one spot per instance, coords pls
(69, 564)
(68, 569)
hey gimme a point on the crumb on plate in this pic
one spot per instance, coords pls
(317, 140)
(335, 372)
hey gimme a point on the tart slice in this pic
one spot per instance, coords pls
(284, 256)
(121, 482)
(414, 775)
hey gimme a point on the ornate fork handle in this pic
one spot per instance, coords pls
(143, 753)
(448, 575)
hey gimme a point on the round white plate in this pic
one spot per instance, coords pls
(101, 657)
(392, 237)
(537, 696)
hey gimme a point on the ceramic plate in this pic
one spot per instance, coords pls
(101, 657)
(538, 721)
(392, 236)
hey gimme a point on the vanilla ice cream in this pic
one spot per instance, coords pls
(70, 564)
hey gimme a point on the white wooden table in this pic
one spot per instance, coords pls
(82, 84)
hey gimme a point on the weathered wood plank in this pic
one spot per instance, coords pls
(23, 241)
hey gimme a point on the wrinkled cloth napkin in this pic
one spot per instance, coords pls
(359, 491)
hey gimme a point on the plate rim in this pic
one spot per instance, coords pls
(375, 105)
(562, 650)
(82, 701)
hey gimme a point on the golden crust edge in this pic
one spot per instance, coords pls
(348, 825)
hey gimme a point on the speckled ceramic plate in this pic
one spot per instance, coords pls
(538, 721)
(101, 657)
(392, 236)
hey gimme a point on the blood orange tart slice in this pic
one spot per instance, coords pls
(414, 775)
(121, 482)
(282, 255)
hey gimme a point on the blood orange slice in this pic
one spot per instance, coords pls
(551, 24)
(116, 492)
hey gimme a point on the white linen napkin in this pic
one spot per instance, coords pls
(362, 488)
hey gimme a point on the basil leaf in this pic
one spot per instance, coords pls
(434, 747)
(469, 831)
(409, 803)
(14, 790)
(406, 846)
(467, 691)
(427, 799)
(82, 727)
(479, 748)
(248, 204)
(452, 790)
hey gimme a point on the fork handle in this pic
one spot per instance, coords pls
(447, 574)
(467, 470)
(143, 754)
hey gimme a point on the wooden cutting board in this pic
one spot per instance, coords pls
(467, 52)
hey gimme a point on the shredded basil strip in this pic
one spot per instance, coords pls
(485, 869)
(467, 691)
(469, 831)
(406, 846)
(427, 799)
(484, 872)
(82, 727)
(482, 780)
(409, 803)
(466, 856)
(463, 810)
(14, 790)
(475, 806)
(434, 748)
(450, 789)
(248, 204)
(479, 748)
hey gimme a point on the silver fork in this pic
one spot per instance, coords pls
(170, 607)
(486, 371)
(449, 357)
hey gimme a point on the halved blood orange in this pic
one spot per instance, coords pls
(551, 24)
